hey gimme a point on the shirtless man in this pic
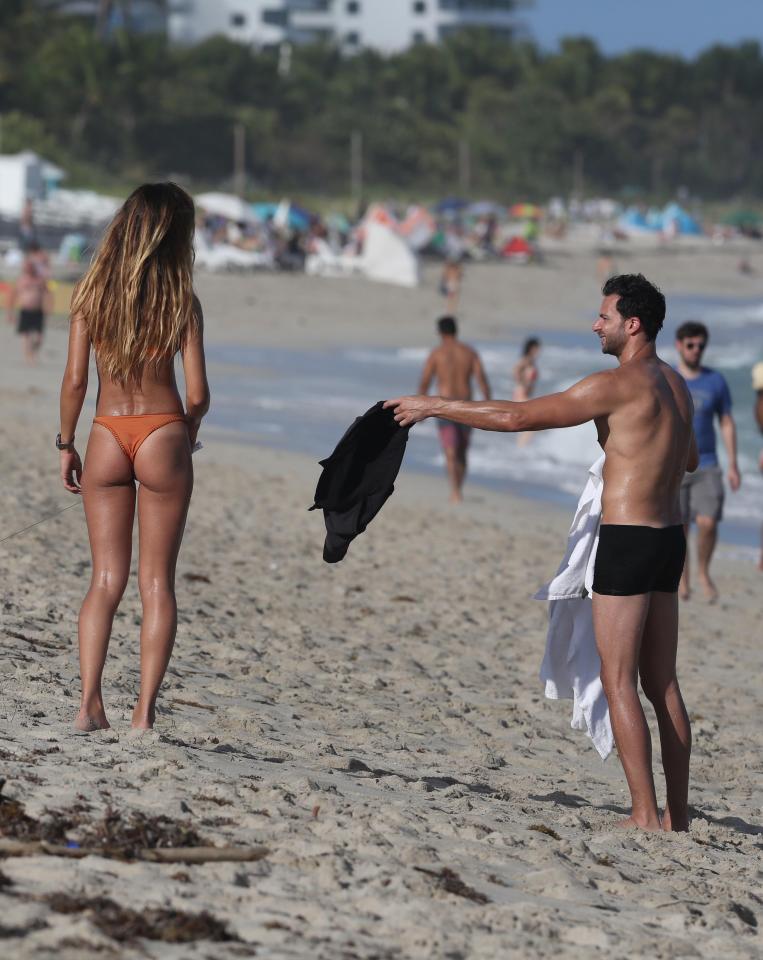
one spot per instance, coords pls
(453, 365)
(643, 414)
(32, 298)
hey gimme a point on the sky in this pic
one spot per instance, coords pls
(675, 26)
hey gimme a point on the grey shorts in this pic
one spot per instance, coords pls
(702, 494)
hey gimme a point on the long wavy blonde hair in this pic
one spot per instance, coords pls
(137, 299)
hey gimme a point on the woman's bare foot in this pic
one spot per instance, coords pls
(92, 719)
(143, 718)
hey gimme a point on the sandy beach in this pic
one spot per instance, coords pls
(378, 725)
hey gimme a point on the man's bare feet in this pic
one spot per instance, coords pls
(89, 720)
(684, 593)
(631, 823)
(673, 824)
(456, 498)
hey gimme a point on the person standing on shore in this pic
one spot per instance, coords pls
(136, 307)
(702, 492)
(643, 414)
(451, 280)
(454, 366)
(525, 377)
(757, 386)
(31, 298)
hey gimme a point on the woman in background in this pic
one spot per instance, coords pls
(525, 377)
(136, 308)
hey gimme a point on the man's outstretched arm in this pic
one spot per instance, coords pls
(595, 396)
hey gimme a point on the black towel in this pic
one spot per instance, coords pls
(358, 477)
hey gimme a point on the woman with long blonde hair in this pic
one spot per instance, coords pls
(136, 308)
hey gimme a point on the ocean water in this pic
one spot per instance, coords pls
(304, 400)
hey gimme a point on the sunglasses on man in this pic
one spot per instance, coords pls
(694, 345)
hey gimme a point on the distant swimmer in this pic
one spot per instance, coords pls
(702, 493)
(135, 308)
(643, 414)
(454, 366)
(525, 377)
(31, 299)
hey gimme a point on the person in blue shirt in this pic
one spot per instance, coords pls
(702, 492)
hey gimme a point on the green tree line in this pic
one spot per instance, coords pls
(534, 123)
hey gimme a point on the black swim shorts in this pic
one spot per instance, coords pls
(30, 321)
(635, 559)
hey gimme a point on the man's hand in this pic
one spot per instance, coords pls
(71, 471)
(410, 410)
(193, 428)
(735, 478)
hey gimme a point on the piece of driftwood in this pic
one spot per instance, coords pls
(31, 848)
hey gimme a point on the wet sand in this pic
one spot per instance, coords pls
(378, 725)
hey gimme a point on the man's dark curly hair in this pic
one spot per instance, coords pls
(638, 298)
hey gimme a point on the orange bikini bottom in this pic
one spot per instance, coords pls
(130, 432)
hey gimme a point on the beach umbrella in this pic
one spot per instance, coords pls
(486, 208)
(525, 211)
(225, 205)
(451, 205)
(743, 218)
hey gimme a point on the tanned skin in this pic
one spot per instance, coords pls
(453, 366)
(643, 414)
(107, 484)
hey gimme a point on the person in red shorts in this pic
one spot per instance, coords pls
(454, 366)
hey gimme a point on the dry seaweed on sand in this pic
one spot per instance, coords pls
(127, 835)
(15, 822)
(449, 881)
(542, 828)
(153, 923)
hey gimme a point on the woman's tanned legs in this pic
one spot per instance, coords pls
(108, 492)
(163, 467)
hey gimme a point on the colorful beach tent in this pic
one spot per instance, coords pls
(418, 228)
(283, 214)
(518, 250)
(525, 211)
(387, 257)
(676, 218)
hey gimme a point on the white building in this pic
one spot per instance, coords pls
(261, 23)
(386, 25)
(25, 176)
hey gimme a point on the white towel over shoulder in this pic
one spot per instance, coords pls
(571, 665)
